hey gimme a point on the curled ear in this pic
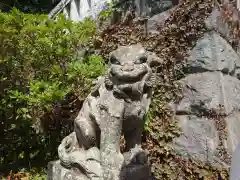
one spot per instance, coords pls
(95, 86)
(108, 82)
(151, 81)
(153, 60)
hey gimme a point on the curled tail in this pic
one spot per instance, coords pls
(82, 160)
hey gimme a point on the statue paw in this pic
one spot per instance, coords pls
(136, 156)
(140, 158)
(139, 112)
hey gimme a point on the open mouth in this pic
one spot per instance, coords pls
(128, 76)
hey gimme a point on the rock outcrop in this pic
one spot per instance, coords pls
(208, 111)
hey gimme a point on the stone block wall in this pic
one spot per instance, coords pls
(228, 21)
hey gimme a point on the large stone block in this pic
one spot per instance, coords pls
(213, 53)
(130, 172)
(58, 172)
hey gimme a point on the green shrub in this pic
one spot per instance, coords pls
(39, 68)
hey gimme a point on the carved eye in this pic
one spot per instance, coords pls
(113, 60)
(141, 60)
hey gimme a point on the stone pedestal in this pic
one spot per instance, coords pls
(136, 172)
(58, 172)
(130, 172)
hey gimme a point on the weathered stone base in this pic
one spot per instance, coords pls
(58, 172)
(131, 172)
(136, 172)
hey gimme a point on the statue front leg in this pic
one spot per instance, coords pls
(133, 136)
(86, 133)
(111, 128)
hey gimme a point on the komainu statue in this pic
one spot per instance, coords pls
(117, 105)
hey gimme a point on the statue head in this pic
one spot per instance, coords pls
(128, 64)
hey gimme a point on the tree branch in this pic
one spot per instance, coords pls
(61, 5)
